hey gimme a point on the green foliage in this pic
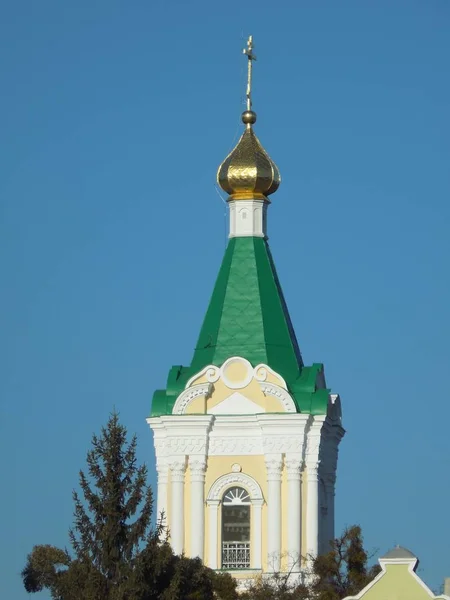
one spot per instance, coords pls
(115, 553)
(224, 586)
(117, 556)
(278, 586)
(341, 572)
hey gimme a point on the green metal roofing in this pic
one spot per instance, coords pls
(247, 316)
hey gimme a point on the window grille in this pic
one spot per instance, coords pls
(235, 555)
(236, 529)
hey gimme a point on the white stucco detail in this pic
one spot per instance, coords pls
(213, 374)
(247, 218)
(303, 445)
(186, 397)
(236, 404)
(282, 395)
(261, 371)
(222, 483)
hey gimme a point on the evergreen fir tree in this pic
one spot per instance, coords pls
(116, 554)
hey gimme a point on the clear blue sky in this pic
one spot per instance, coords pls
(114, 118)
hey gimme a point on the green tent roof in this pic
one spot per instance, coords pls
(247, 316)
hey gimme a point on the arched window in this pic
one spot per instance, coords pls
(231, 546)
(236, 504)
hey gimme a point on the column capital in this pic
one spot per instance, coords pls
(162, 469)
(274, 465)
(312, 468)
(177, 470)
(197, 468)
(293, 467)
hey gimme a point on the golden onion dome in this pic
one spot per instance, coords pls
(248, 171)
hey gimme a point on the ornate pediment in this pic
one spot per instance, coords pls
(235, 388)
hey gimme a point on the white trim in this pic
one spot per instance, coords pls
(280, 394)
(227, 480)
(213, 501)
(213, 521)
(261, 371)
(247, 218)
(237, 385)
(186, 397)
(256, 538)
(212, 375)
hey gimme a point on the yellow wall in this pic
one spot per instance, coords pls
(396, 584)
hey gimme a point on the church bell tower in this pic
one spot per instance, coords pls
(247, 436)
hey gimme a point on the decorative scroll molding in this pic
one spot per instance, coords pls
(186, 397)
(280, 394)
(314, 446)
(280, 443)
(181, 446)
(261, 372)
(261, 444)
(219, 486)
(213, 374)
(224, 445)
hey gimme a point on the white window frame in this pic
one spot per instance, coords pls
(213, 501)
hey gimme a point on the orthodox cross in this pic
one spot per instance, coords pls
(251, 57)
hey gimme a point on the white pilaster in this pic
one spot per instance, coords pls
(162, 469)
(256, 548)
(313, 456)
(197, 470)
(213, 522)
(312, 509)
(176, 525)
(273, 466)
(247, 218)
(294, 512)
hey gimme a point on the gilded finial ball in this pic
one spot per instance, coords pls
(249, 117)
